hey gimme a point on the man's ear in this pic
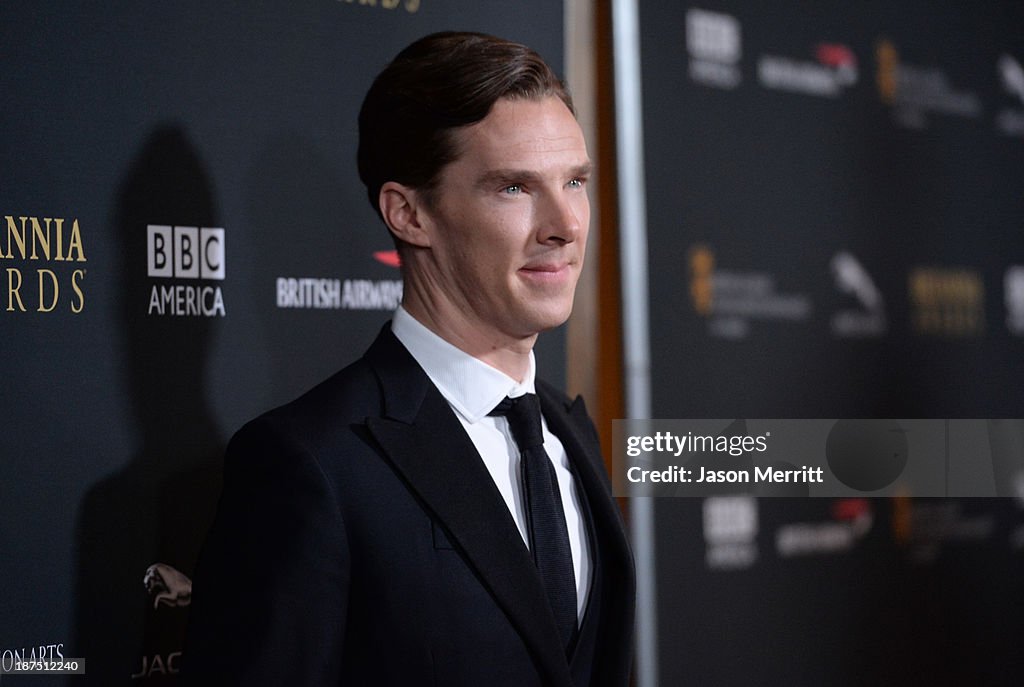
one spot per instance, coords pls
(403, 211)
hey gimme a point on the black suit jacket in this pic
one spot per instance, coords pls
(361, 540)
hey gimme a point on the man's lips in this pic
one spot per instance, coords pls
(547, 271)
(546, 267)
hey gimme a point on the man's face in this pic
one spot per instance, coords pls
(510, 218)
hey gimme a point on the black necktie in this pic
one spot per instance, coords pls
(549, 536)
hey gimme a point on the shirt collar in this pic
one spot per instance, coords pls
(472, 387)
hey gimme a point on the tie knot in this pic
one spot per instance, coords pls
(523, 413)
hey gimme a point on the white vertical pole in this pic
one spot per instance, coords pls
(636, 344)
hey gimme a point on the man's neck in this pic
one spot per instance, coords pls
(506, 354)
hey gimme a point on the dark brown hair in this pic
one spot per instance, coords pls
(436, 85)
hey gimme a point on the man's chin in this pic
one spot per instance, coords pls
(556, 317)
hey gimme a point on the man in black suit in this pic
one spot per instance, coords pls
(414, 520)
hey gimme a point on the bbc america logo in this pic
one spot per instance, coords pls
(195, 253)
(714, 42)
(185, 252)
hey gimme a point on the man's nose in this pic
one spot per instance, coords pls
(563, 218)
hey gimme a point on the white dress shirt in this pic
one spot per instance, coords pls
(473, 389)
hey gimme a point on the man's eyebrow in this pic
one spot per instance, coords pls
(496, 177)
(583, 170)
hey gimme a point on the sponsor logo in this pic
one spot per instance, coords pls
(194, 254)
(1017, 538)
(158, 664)
(924, 526)
(409, 6)
(1013, 296)
(914, 91)
(315, 293)
(167, 586)
(947, 302)
(42, 265)
(730, 532)
(851, 278)
(730, 299)
(713, 41)
(851, 520)
(835, 68)
(387, 257)
(1009, 120)
(1012, 76)
(338, 294)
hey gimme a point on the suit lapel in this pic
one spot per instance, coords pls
(428, 447)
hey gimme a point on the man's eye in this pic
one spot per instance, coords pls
(577, 182)
(512, 190)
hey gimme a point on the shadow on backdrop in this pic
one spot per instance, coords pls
(140, 530)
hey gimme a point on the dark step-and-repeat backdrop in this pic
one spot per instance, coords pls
(836, 195)
(836, 226)
(184, 243)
